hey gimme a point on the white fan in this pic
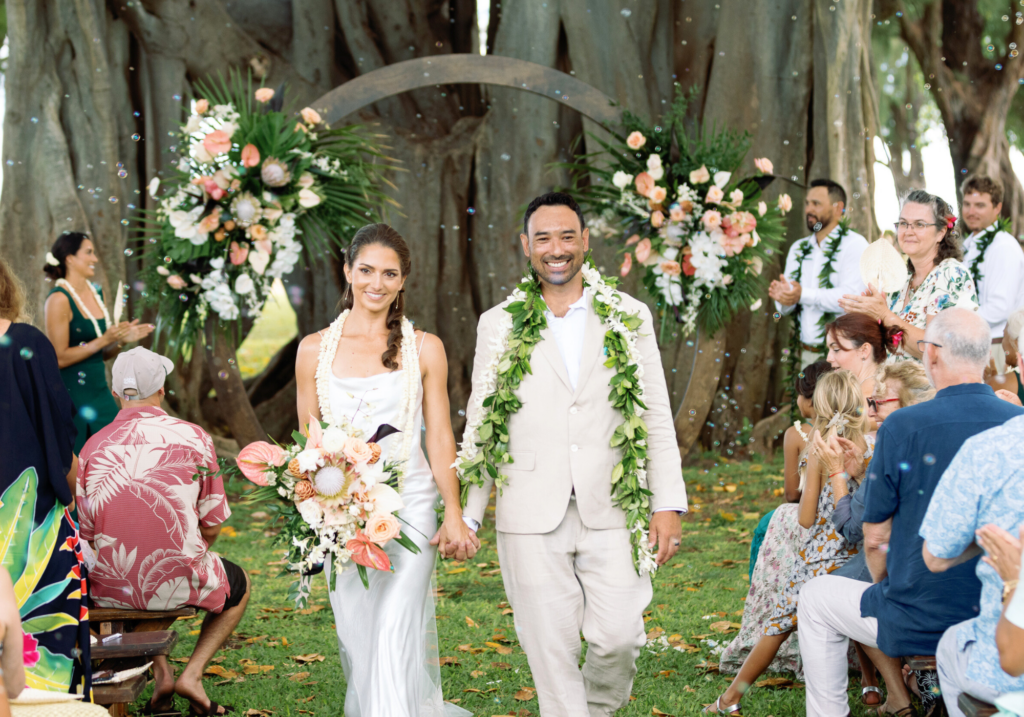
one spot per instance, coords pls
(118, 303)
(883, 267)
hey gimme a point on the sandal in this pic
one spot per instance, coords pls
(865, 691)
(212, 711)
(719, 709)
(165, 709)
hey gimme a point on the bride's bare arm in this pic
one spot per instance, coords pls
(441, 448)
(305, 378)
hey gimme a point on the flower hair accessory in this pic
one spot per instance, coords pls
(839, 422)
(51, 259)
(950, 221)
(897, 338)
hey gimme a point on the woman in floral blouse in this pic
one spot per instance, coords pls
(938, 279)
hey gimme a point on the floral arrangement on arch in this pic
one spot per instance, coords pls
(253, 186)
(672, 198)
(337, 500)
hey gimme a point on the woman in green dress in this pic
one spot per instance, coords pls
(79, 327)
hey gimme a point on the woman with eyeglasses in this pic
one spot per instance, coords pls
(938, 279)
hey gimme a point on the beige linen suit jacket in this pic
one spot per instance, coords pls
(560, 440)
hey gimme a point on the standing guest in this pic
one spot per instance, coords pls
(937, 278)
(78, 325)
(983, 486)
(908, 608)
(993, 257)
(857, 343)
(820, 269)
(150, 496)
(38, 537)
(1013, 382)
(839, 404)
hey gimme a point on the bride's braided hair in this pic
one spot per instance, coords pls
(385, 236)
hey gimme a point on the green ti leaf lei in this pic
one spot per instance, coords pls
(824, 282)
(485, 445)
(984, 242)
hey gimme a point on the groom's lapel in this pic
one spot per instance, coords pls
(548, 348)
(593, 348)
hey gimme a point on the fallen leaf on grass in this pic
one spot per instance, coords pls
(687, 688)
(302, 700)
(751, 516)
(180, 659)
(471, 622)
(448, 661)
(500, 649)
(256, 639)
(507, 611)
(721, 626)
(193, 632)
(666, 673)
(470, 649)
(526, 694)
(473, 689)
(255, 572)
(707, 666)
(501, 665)
(258, 713)
(456, 570)
(312, 657)
(218, 671)
(256, 669)
(477, 673)
(658, 713)
(731, 517)
(311, 610)
(692, 590)
(783, 683)
(228, 531)
(298, 676)
(778, 491)
(305, 712)
(655, 632)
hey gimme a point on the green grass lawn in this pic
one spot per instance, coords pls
(485, 669)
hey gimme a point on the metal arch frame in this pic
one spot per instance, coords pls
(510, 72)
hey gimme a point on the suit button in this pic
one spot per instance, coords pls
(574, 448)
(574, 410)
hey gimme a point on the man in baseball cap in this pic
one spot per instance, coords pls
(139, 374)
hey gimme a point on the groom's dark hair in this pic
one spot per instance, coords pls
(552, 199)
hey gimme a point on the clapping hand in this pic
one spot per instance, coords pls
(135, 331)
(872, 302)
(1003, 550)
(784, 291)
(830, 453)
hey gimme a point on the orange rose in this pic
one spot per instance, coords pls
(657, 219)
(671, 268)
(310, 116)
(658, 195)
(636, 140)
(644, 184)
(264, 94)
(202, 106)
(382, 528)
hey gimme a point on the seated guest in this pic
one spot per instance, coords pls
(1004, 554)
(857, 343)
(776, 540)
(839, 404)
(1010, 383)
(908, 608)
(983, 486)
(937, 279)
(146, 461)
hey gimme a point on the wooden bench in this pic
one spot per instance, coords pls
(125, 650)
(973, 707)
(108, 621)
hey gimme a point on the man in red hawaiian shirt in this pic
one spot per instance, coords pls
(151, 504)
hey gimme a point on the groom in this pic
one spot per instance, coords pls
(564, 546)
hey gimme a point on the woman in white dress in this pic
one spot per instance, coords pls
(353, 373)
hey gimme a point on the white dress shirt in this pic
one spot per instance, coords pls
(815, 299)
(1001, 290)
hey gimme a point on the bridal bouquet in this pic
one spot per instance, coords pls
(253, 186)
(338, 501)
(672, 198)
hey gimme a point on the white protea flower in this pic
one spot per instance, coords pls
(246, 209)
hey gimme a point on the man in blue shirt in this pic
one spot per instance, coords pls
(908, 608)
(983, 485)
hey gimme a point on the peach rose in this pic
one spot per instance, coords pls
(785, 203)
(762, 208)
(176, 282)
(732, 245)
(764, 165)
(671, 268)
(250, 156)
(636, 140)
(210, 222)
(217, 142)
(310, 116)
(739, 223)
(657, 219)
(700, 176)
(264, 94)
(627, 264)
(676, 213)
(211, 187)
(644, 184)
(658, 195)
(714, 196)
(633, 240)
(711, 220)
(201, 106)
(255, 458)
(356, 451)
(258, 232)
(238, 253)
(643, 250)
(382, 528)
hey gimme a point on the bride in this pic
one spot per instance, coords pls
(355, 372)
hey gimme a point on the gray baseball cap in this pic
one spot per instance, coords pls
(142, 370)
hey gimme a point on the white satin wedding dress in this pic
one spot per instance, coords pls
(387, 633)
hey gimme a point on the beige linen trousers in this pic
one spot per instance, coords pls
(563, 544)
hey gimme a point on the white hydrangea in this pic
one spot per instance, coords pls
(708, 259)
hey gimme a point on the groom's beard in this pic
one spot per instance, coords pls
(561, 277)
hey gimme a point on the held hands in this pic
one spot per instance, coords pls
(1003, 550)
(666, 533)
(454, 539)
(872, 302)
(784, 291)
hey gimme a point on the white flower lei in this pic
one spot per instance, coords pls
(66, 285)
(604, 294)
(410, 387)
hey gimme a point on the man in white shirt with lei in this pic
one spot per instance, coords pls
(993, 257)
(819, 270)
